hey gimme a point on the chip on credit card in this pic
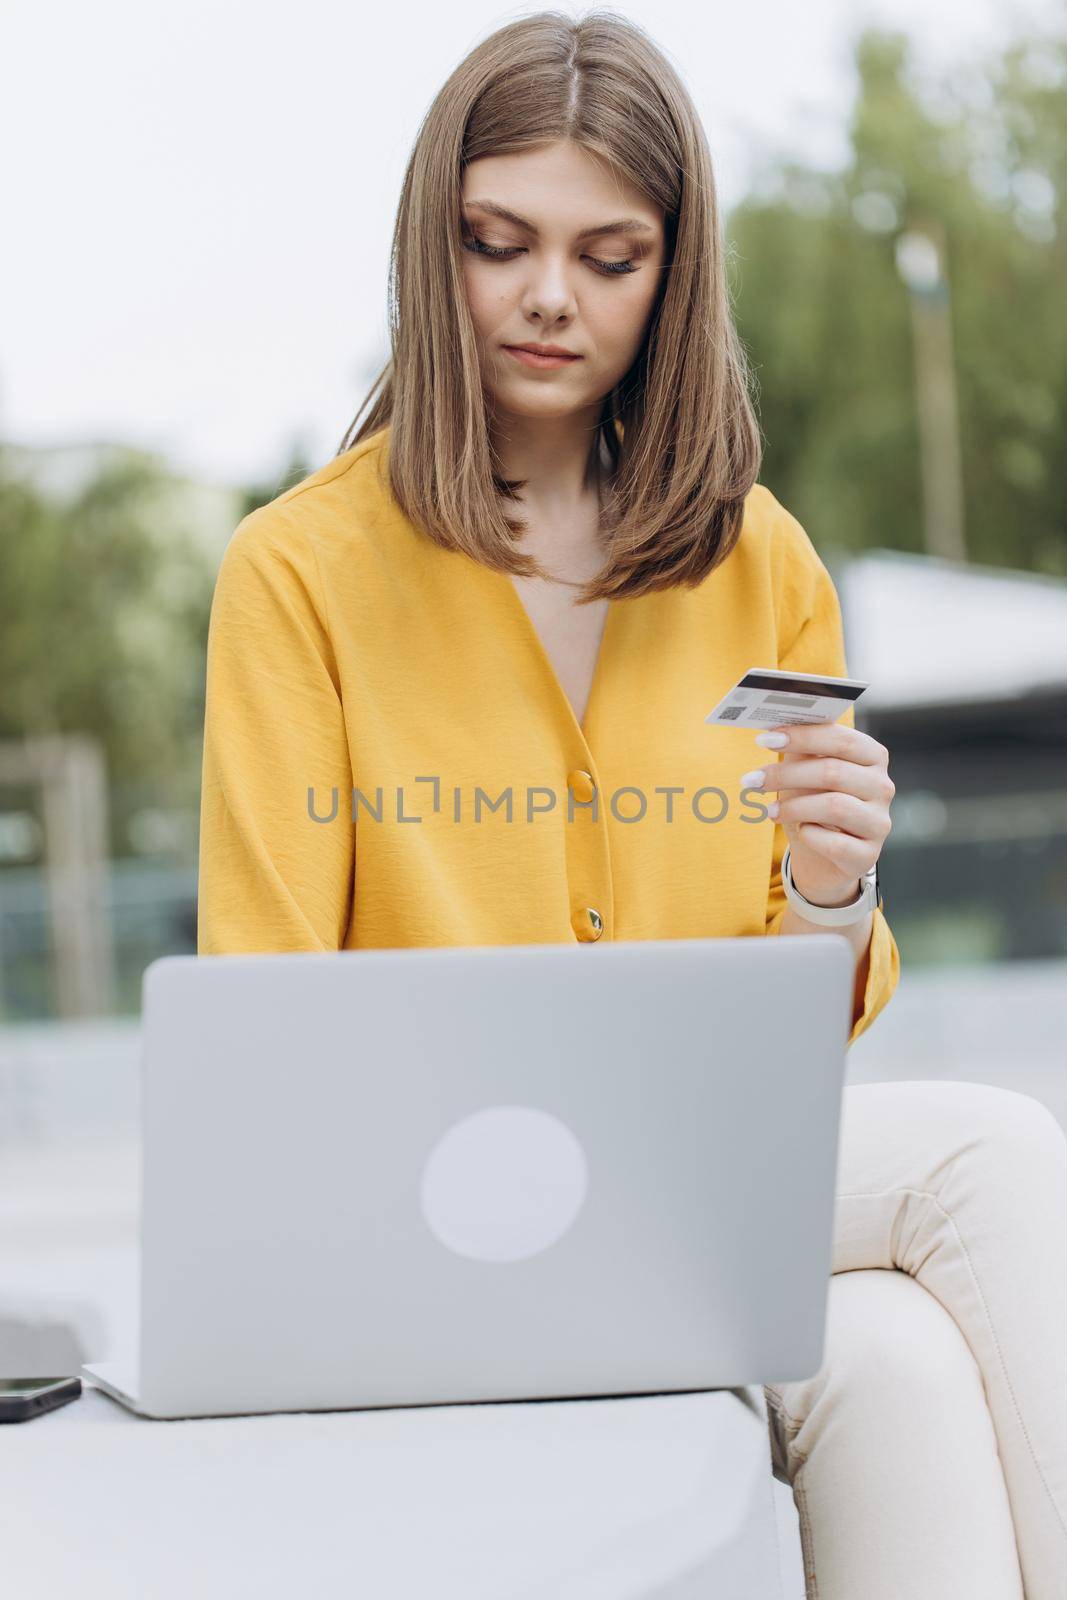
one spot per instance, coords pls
(768, 697)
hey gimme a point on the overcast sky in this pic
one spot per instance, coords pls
(203, 194)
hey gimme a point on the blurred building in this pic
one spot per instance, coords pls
(968, 674)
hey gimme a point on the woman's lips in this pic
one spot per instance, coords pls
(533, 360)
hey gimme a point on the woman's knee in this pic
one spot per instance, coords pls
(994, 1112)
(1015, 1142)
(892, 1131)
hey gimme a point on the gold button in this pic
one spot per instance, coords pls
(588, 924)
(583, 785)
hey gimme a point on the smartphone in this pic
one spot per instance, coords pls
(23, 1398)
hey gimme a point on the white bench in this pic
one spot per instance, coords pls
(667, 1496)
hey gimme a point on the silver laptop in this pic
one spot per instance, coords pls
(426, 1176)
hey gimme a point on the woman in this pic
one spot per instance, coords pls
(518, 588)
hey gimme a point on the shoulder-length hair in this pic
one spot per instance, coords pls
(681, 435)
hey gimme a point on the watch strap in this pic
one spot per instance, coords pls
(868, 899)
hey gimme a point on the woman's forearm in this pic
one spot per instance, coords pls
(858, 935)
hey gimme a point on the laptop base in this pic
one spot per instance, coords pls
(117, 1379)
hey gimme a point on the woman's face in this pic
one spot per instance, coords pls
(566, 277)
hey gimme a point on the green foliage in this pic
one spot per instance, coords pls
(103, 627)
(982, 159)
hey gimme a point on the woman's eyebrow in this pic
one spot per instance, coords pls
(622, 225)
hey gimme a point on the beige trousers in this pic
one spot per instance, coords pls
(928, 1456)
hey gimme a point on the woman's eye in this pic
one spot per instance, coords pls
(615, 266)
(495, 252)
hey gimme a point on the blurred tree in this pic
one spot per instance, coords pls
(103, 627)
(825, 315)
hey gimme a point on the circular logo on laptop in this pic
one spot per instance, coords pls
(504, 1183)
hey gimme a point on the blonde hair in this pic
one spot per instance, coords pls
(680, 431)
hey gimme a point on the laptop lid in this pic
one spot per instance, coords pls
(394, 1177)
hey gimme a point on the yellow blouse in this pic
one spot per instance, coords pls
(390, 759)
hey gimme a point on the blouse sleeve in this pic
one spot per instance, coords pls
(811, 639)
(272, 878)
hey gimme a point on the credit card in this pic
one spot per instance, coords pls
(767, 697)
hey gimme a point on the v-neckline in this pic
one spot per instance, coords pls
(548, 671)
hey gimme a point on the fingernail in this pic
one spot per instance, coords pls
(773, 808)
(773, 741)
(753, 780)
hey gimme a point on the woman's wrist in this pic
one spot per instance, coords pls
(828, 898)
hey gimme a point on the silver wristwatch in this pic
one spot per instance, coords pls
(833, 916)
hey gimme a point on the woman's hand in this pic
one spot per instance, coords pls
(834, 793)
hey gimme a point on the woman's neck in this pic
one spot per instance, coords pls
(558, 458)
